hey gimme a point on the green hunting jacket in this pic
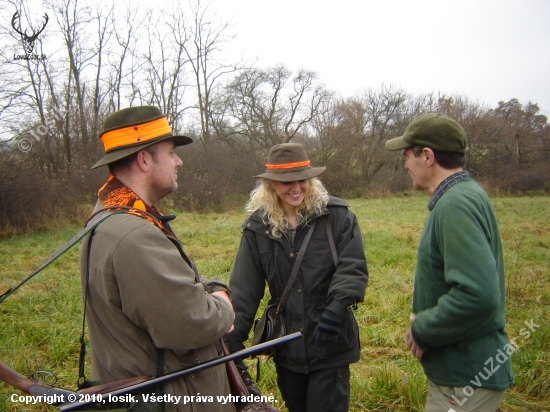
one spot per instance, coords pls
(143, 296)
(459, 293)
(263, 258)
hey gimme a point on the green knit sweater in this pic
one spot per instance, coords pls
(459, 293)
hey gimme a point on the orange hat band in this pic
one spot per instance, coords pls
(288, 165)
(135, 134)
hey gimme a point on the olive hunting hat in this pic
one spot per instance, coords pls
(132, 129)
(288, 162)
(433, 130)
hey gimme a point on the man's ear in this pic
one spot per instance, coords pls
(428, 156)
(144, 160)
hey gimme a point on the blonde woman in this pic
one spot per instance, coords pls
(312, 372)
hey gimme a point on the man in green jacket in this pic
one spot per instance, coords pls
(457, 324)
(148, 310)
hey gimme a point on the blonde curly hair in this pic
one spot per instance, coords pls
(263, 198)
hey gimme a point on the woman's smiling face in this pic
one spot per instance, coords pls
(291, 194)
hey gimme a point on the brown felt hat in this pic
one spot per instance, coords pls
(288, 162)
(132, 129)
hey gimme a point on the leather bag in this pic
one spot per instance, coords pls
(270, 326)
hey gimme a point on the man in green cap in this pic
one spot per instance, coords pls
(457, 321)
(148, 310)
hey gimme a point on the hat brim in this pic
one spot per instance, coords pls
(398, 143)
(292, 176)
(113, 156)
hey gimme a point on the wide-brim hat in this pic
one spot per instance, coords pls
(288, 162)
(434, 130)
(133, 129)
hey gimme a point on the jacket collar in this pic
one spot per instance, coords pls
(255, 222)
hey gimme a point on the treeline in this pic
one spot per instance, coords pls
(99, 59)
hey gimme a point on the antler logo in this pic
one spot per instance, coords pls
(28, 41)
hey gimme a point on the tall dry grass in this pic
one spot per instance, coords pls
(41, 322)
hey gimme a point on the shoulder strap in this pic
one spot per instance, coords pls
(295, 268)
(82, 382)
(331, 241)
(120, 209)
(92, 223)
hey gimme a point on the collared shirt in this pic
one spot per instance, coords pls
(291, 231)
(445, 185)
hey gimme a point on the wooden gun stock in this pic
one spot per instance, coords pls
(36, 388)
(17, 380)
(121, 387)
(45, 393)
(238, 387)
(244, 353)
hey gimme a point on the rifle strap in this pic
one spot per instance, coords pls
(82, 382)
(92, 224)
(94, 221)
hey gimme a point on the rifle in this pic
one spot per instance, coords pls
(245, 353)
(236, 383)
(58, 396)
(65, 399)
(29, 386)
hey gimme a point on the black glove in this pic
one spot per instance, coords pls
(327, 329)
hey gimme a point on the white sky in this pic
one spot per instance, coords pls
(487, 50)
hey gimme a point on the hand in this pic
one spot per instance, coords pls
(411, 344)
(327, 329)
(225, 296)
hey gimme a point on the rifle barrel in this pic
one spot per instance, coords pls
(161, 379)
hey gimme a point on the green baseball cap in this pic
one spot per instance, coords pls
(434, 130)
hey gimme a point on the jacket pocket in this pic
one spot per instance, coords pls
(315, 308)
(348, 335)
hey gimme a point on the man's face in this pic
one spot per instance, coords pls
(417, 168)
(164, 172)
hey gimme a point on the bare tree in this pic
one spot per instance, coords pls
(207, 37)
(521, 130)
(273, 106)
(375, 116)
(163, 64)
(122, 58)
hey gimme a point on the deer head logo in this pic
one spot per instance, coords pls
(28, 41)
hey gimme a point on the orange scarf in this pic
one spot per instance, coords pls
(115, 193)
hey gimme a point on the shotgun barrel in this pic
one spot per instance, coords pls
(164, 378)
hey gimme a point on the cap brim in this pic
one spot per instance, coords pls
(292, 176)
(179, 140)
(398, 143)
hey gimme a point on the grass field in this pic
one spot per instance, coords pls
(41, 323)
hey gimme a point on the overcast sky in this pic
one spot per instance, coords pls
(487, 50)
